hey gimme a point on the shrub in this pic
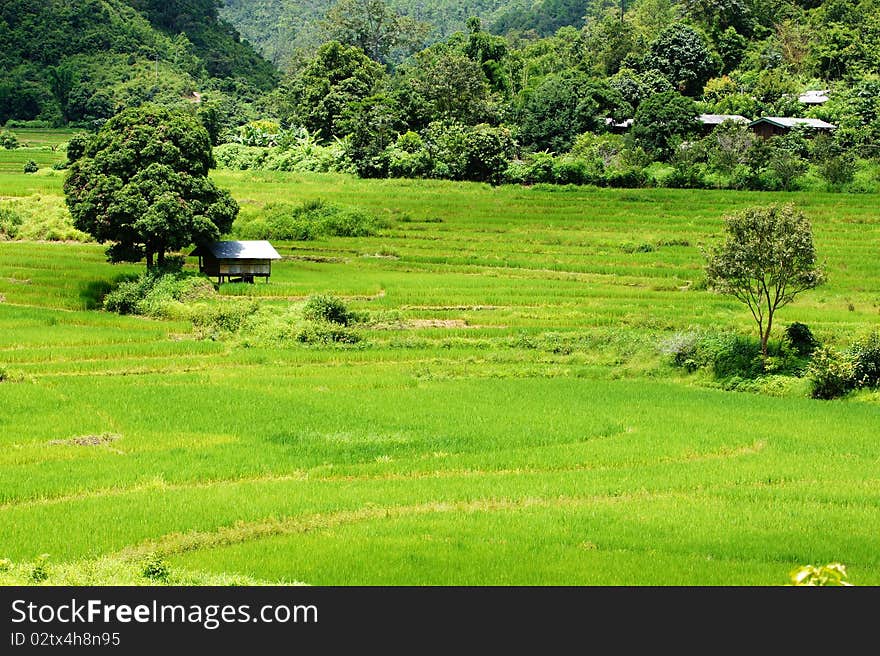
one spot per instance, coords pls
(10, 223)
(799, 337)
(40, 570)
(311, 220)
(239, 157)
(682, 348)
(730, 356)
(31, 166)
(153, 292)
(572, 172)
(322, 332)
(838, 170)
(832, 574)
(76, 147)
(735, 355)
(538, 168)
(8, 140)
(865, 355)
(125, 299)
(212, 320)
(327, 308)
(627, 178)
(155, 568)
(686, 177)
(831, 373)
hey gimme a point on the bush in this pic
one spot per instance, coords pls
(127, 296)
(735, 355)
(686, 177)
(10, 223)
(76, 147)
(31, 166)
(329, 309)
(728, 355)
(832, 574)
(155, 568)
(573, 172)
(799, 337)
(865, 356)
(682, 349)
(239, 157)
(627, 178)
(311, 220)
(320, 332)
(8, 140)
(538, 168)
(838, 170)
(830, 373)
(40, 570)
(153, 292)
(215, 319)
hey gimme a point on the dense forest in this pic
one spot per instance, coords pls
(606, 92)
(81, 62)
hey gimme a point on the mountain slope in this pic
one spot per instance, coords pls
(79, 61)
(277, 28)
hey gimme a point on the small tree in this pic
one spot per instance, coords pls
(142, 184)
(767, 259)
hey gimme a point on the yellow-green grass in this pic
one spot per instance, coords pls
(508, 418)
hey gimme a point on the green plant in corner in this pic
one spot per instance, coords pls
(832, 574)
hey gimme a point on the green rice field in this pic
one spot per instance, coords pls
(507, 418)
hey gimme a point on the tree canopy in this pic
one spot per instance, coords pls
(767, 259)
(141, 184)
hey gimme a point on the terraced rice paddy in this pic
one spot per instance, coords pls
(513, 422)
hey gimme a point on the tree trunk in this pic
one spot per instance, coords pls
(161, 258)
(765, 338)
(149, 259)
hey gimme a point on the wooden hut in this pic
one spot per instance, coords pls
(771, 126)
(236, 261)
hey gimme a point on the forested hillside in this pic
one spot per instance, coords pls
(81, 61)
(610, 92)
(644, 93)
(281, 28)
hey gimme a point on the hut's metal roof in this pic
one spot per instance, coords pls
(718, 119)
(239, 250)
(814, 96)
(790, 122)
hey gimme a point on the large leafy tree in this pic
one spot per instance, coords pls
(682, 54)
(662, 121)
(142, 185)
(319, 95)
(447, 85)
(564, 106)
(375, 28)
(767, 259)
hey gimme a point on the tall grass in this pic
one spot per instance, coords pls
(506, 418)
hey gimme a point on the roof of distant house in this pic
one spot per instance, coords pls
(790, 122)
(239, 250)
(718, 119)
(814, 96)
(627, 123)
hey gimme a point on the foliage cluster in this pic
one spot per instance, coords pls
(154, 292)
(728, 355)
(308, 221)
(834, 372)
